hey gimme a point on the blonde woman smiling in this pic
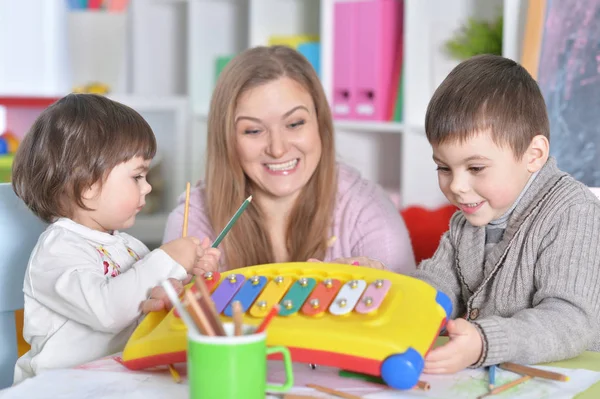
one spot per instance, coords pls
(270, 135)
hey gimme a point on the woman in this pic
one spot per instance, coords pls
(270, 135)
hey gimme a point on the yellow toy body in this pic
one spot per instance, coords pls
(361, 328)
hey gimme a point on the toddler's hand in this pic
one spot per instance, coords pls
(159, 300)
(184, 251)
(207, 259)
(463, 349)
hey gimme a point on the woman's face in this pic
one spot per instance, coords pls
(277, 138)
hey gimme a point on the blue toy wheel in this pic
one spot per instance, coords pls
(402, 371)
(444, 301)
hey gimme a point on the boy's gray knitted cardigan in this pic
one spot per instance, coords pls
(541, 300)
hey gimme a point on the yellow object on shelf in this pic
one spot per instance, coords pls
(92, 88)
(292, 41)
(6, 161)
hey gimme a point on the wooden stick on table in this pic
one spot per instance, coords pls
(526, 370)
(333, 392)
(506, 387)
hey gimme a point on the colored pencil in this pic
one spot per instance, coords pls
(333, 392)
(185, 316)
(186, 210)
(174, 374)
(237, 318)
(263, 326)
(198, 314)
(423, 385)
(193, 316)
(492, 376)
(506, 387)
(525, 370)
(207, 301)
(232, 221)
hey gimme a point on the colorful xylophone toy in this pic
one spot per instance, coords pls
(359, 319)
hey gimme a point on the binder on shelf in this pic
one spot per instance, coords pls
(312, 52)
(344, 54)
(378, 35)
(292, 41)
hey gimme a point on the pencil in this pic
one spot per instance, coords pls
(186, 210)
(198, 315)
(492, 376)
(174, 374)
(231, 222)
(263, 326)
(333, 392)
(506, 387)
(206, 300)
(237, 318)
(423, 385)
(525, 370)
(185, 316)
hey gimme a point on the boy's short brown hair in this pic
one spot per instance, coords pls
(488, 93)
(73, 144)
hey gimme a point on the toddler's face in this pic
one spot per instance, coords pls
(481, 178)
(116, 203)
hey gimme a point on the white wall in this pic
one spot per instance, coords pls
(33, 47)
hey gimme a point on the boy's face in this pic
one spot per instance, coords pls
(482, 179)
(120, 198)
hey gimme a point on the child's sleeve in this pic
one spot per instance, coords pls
(68, 278)
(198, 223)
(440, 272)
(564, 320)
(380, 233)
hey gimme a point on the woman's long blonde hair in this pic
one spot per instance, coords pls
(227, 186)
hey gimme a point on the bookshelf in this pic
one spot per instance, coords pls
(171, 63)
(427, 24)
(397, 155)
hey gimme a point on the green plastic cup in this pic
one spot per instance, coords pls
(233, 367)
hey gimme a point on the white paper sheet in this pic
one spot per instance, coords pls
(108, 379)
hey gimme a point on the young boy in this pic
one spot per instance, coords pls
(521, 261)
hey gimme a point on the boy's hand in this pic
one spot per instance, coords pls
(463, 349)
(207, 259)
(184, 251)
(357, 261)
